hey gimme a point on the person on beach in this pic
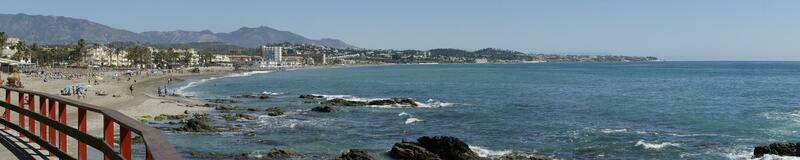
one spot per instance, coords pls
(131, 89)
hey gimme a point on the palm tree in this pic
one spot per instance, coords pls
(36, 54)
(76, 56)
(206, 58)
(22, 51)
(3, 39)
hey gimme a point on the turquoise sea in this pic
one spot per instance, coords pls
(659, 110)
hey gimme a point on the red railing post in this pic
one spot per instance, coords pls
(62, 118)
(43, 112)
(108, 132)
(32, 107)
(51, 104)
(125, 138)
(148, 156)
(82, 128)
(21, 102)
(7, 114)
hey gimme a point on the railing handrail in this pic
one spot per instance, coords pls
(155, 141)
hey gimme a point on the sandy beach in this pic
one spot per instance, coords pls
(143, 102)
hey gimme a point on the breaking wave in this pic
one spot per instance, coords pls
(181, 89)
(483, 152)
(656, 145)
(430, 103)
(413, 120)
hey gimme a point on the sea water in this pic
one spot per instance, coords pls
(661, 110)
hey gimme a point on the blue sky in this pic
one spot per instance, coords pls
(671, 29)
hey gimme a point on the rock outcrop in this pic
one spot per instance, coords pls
(355, 154)
(275, 153)
(344, 102)
(197, 125)
(395, 101)
(782, 149)
(434, 148)
(310, 96)
(411, 151)
(274, 111)
(323, 109)
(222, 101)
(402, 102)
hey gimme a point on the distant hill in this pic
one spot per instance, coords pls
(63, 30)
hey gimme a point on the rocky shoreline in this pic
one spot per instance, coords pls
(432, 148)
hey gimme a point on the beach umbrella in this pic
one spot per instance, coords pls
(84, 85)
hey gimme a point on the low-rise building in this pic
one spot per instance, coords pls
(105, 56)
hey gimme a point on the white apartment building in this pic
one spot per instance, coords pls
(104, 56)
(194, 59)
(272, 55)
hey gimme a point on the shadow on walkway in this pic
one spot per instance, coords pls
(19, 148)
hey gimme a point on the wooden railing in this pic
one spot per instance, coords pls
(53, 128)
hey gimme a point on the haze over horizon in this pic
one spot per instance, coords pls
(673, 30)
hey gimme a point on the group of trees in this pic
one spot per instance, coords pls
(73, 55)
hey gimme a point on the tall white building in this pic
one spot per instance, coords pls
(272, 55)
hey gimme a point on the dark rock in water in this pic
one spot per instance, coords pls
(197, 125)
(447, 147)
(394, 101)
(343, 102)
(355, 154)
(405, 101)
(539, 158)
(274, 153)
(382, 102)
(259, 96)
(518, 156)
(323, 109)
(310, 96)
(207, 155)
(782, 149)
(411, 151)
(254, 109)
(242, 156)
(274, 111)
(224, 108)
(223, 101)
(237, 116)
(244, 96)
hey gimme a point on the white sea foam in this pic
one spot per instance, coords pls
(483, 152)
(777, 157)
(403, 114)
(607, 131)
(430, 103)
(413, 120)
(783, 116)
(181, 89)
(655, 145)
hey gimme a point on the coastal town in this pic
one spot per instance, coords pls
(130, 55)
(135, 79)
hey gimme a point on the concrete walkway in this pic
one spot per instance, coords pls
(14, 147)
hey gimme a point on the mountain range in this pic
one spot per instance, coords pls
(64, 30)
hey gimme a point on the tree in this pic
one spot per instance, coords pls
(22, 51)
(3, 39)
(36, 54)
(139, 55)
(206, 58)
(186, 58)
(76, 55)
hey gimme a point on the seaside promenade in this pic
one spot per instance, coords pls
(142, 102)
